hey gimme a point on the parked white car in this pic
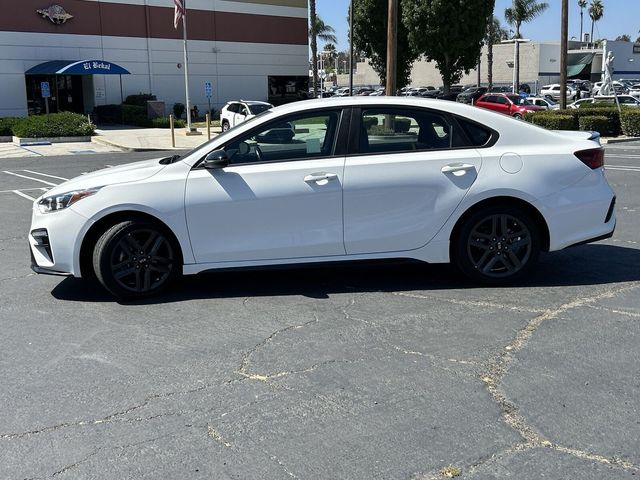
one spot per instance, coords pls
(332, 180)
(635, 90)
(543, 102)
(234, 113)
(553, 91)
(624, 100)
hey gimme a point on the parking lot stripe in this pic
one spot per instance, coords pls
(45, 175)
(31, 178)
(623, 169)
(23, 195)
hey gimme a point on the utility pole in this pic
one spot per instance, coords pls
(392, 48)
(564, 33)
(351, 49)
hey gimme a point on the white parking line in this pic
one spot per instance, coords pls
(31, 178)
(623, 169)
(45, 175)
(23, 195)
(43, 189)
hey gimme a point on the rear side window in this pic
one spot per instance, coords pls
(478, 135)
(233, 108)
(385, 130)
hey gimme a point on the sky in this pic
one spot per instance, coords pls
(620, 17)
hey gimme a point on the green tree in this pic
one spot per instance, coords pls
(582, 4)
(317, 29)
(596, 12)
(450, 33)
(623, 38)
(522, 11)
(370, 37)
(495, 34)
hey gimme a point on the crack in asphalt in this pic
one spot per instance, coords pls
(75, 464)
(497, 367)
(246, 358)
(109, 418)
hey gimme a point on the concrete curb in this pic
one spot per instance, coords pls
(22, 141)
(607, 141)
(124, 148)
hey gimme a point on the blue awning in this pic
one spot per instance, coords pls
(74, 67)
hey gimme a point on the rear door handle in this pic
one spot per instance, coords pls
(318, 177)
(457, 167)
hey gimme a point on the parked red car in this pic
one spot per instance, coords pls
(507, 103)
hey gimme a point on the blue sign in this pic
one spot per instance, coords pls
(208, 90)
(44, 88)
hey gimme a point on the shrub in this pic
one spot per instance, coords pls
(64, 124)
(178, 109)
(630, 120)
(551, 120)
(108, 113)
(139, 99)
(163, 122)
(6, 126)
(611, 112)
(135, 115)
(595, 123)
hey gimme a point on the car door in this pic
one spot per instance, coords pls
(404, 177)
(241, 114)
(280, 196)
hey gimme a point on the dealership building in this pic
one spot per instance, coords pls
(78, 54)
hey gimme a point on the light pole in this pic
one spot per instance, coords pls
(515, 42)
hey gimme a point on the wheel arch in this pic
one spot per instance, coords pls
(512, 202)
(100, 226)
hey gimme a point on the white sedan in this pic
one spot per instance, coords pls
(333, 180)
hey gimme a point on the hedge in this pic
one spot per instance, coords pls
(548, 119)
(551, 120)
(6, 126)
(139, 99)
(64, 124)
(595, 123)
(163, 122)
(631, 122)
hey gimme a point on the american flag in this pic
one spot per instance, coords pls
(179, 12)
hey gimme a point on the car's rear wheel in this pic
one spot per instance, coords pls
(225, 125)
(517, 116)
(497, 245)
(136, 258)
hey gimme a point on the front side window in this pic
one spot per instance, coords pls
(258, 108)
(399, 130)
(300, 137)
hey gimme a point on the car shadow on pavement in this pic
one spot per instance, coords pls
(594, 264)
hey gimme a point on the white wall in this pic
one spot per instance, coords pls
(236, 70)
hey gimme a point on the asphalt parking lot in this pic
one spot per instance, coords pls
(351, 372)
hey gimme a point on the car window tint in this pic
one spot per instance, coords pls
(399, 130)
(301, 137)
(242, 110)
(233, 108)
(258, 108)
(502, 100)
(477, 134)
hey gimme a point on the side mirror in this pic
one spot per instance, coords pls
(216, 160)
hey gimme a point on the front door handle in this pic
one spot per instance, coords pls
(319, 177)
(459, 168)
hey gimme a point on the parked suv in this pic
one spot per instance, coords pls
(471, 94)
(553, 91)
(507, 103)
(234, 113)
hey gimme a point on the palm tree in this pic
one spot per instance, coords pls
(318, 29)
(582, 4)
(522, 11)
(596, 12)
(495, 34)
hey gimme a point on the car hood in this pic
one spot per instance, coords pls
(130, 172)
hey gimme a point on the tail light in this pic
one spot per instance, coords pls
(592, 158)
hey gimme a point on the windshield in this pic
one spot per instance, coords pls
(258, 108)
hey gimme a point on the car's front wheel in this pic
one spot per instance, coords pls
(497, 245)
(225, 125)
(136, 258)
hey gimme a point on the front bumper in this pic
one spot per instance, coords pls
(55, 240)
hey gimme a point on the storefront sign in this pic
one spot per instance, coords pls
(100, 93)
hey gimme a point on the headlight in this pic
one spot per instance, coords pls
(64, 200)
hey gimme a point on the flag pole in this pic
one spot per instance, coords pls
(186, 66)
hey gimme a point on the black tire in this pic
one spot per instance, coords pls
(496, 245)
(517, 116)
(136, 259)
(225, 126)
